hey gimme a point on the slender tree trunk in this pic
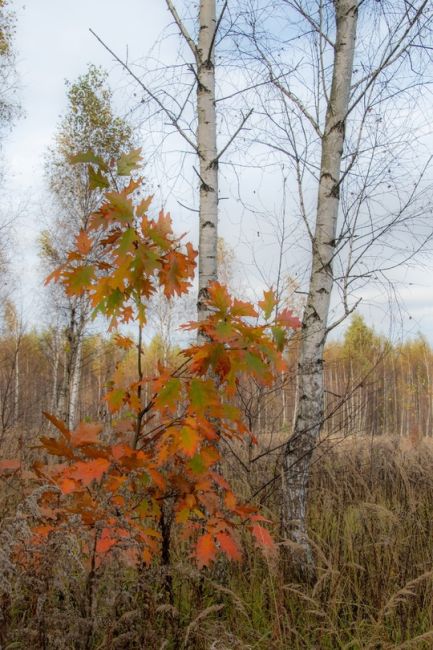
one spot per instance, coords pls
(207, 152)
(54, 394)
(310, 411)
(17, 384)
(75, 382)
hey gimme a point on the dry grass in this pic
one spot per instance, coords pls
(371, 526)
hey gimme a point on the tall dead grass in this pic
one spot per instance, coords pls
(371, 525)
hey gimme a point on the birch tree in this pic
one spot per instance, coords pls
(193, 118)
(89, 124)
(338, 81)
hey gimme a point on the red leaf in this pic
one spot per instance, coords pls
(287, 319)
(58, 424)
(263, 538)
(84, 243)
(57, 447)
(229, 546)
(86, 434)
(205, 550)
(67, 485)
(105, 541)
(89, 471)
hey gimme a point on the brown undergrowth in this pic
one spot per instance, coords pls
(371, 526)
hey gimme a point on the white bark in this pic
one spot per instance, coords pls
(207, 152)
(56, 352)
(75, 382)
(72, 380)
(17, 384)
(310, 409)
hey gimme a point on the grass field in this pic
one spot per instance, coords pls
(371, 526)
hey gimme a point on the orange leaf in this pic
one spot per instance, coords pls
(219, 297)
(86, 434)
(67, 485)
(89, 471)
(123, 342)
(188, 439)
(263, 538)
(84, 243)
(229, 546)
(105, 541)
(42, 531)
(287, 319)
(57, 447)
(58, 424)
(205, 550)
(268, 303)
(54, 275)
(230, 500)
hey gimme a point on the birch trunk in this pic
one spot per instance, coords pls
(17, 385)
(75, 381)
(54, 394)
(207, 152)
(310, 409)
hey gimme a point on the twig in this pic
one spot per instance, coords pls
(172, 118)
(233, 137)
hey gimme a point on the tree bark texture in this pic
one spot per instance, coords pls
(207, 152)
(309, 414)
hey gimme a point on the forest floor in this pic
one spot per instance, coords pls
(371, 527)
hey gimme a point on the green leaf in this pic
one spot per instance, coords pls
(80, 278)
(97, 179)
(114, 300)
(224, 330)
(127, 240)
(170, 393)
(254, 363)
(88, 157)
(189, 440)
(202, 394)
(197, 464)
(129, 161)
(115, 399)
(121, 206)
(279, 338)
(268, 303)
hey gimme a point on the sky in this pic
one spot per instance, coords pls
(53, 43)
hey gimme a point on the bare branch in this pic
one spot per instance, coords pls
(347, 312)
(182, 28)
(394, 54)
(173, 119)
(293, 98)
(234, 136)
(217, 26)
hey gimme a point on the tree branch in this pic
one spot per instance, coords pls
(183, 30)
(217, 26)
(287, 93)
(173, 119)
(234, 136)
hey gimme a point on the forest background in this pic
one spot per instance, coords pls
(372, 460)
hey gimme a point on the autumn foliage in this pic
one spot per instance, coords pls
(162, 455)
